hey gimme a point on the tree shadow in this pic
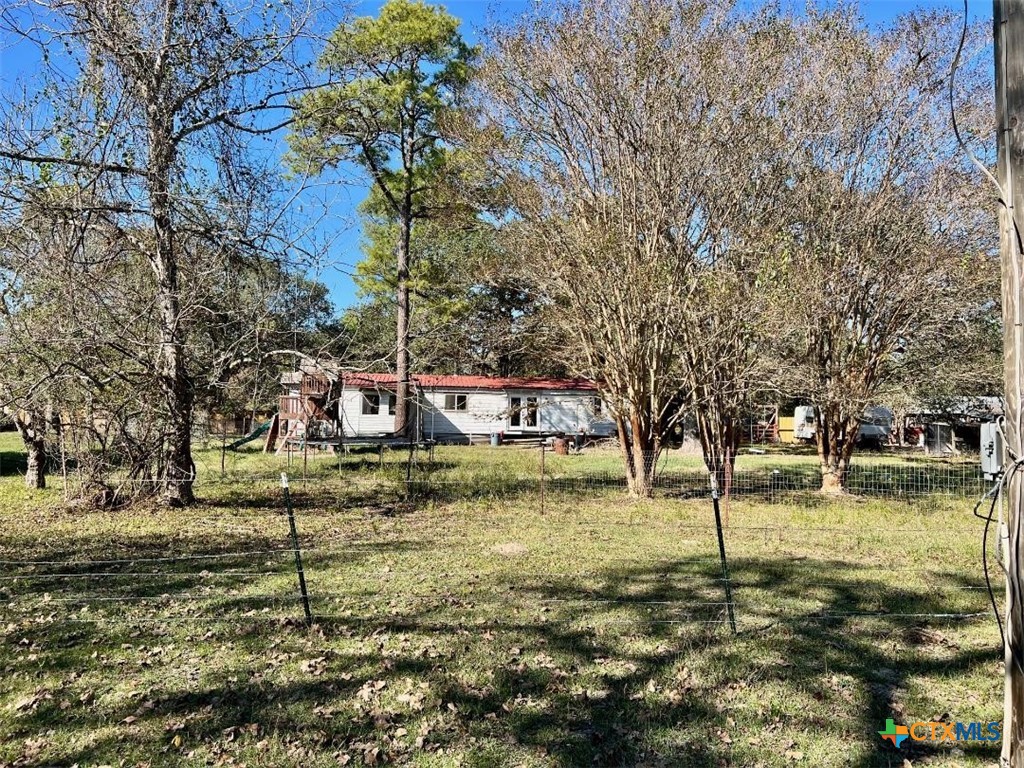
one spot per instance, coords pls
(236, 576)
(13, 463)
(588, 681)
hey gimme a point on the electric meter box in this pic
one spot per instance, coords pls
(991, 450)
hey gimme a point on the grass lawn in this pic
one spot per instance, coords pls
(483, 630)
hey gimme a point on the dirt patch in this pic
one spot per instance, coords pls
(512, 549)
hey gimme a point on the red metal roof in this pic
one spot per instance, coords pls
(497, 383)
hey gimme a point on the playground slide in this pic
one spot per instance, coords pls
(260, 430)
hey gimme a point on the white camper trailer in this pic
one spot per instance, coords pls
(875, 424)
(803, 422)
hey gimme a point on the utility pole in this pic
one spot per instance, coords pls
(1008, 28)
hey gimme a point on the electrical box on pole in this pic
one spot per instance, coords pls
(991, 450)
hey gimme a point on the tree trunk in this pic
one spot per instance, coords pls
(833, 480)
(403, 406)
(179, 473)
(719, 440)
(640, 455)
(32, 427)
(834, 438)
(175, 383)
(899, 419)
(626, 449)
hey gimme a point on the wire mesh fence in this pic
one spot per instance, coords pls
(780, 484)
(689, 584)
(257, 582)
(788, 481)
(418, 473)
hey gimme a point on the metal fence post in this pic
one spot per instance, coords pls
(721, 553)
(295, 547)
(339, 435)
(408, 471)
(542, 451)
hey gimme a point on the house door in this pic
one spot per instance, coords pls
(522, 414)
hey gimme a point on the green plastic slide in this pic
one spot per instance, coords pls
(260, 430)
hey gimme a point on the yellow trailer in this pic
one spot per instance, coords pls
(786, 429)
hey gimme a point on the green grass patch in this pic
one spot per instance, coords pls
(485, 629)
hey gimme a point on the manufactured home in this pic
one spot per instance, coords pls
(331, 407)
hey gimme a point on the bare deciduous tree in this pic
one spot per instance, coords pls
(77, 329)
(884, 250)
(144, 122)
(725, 364)
(623, 133)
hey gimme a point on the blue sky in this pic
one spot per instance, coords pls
(339, 227)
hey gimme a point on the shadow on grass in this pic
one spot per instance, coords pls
(381, 494)
(13, 463)
(550, 670)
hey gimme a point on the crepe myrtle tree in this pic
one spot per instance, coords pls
(602, 119)
(887, 247)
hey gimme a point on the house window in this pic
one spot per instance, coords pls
(522, 412)
(455, 402)
(598, 407)
(371, 405)
(530, 414)
(391, 404)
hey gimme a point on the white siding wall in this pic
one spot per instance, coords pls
(349, 412)
(485, 413)
(559, 413)
(359, 424)
(570, 412)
